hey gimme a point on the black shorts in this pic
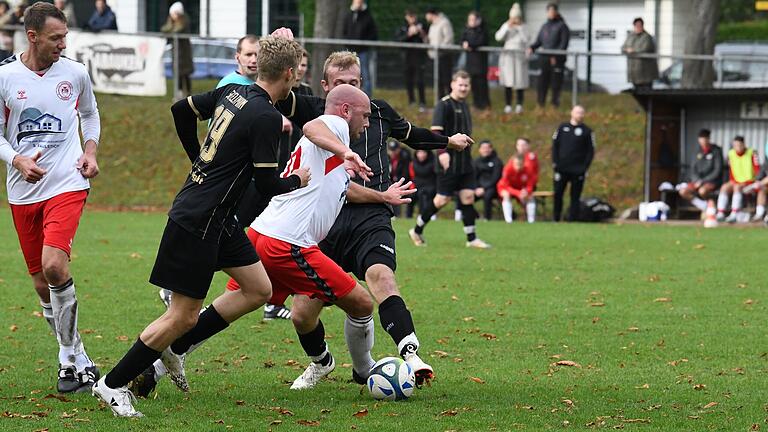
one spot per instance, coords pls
(448, 184)
(361, 237)
(185, 264)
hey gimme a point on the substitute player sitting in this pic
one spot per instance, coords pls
(743, 168)
(518, 181)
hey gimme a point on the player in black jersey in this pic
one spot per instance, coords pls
(362, 240)
(202, 236)
(455, 172)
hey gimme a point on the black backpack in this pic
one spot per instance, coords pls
(595, 210)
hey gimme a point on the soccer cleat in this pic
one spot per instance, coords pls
(357, 378)
(757, 217)
(518, 109)
(416, 238)
(175, 365)
(144, 384)
(119, 400)
(312, 375)
(720, 217)
(165, 297)
(276, 312)
(508, 109)
(732, 218)
(88, 378)
(68, 381)
(422, 371)
(478, 244)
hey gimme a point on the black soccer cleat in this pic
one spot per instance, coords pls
(357, 378)
(144, 384)
(71, 381)
(276, 312)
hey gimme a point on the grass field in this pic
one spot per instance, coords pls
(665, 326)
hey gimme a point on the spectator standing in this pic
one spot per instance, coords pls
(102, 18)
(424, 178)
(69, 11)
(706, 173)
(413, 31)
(640, 71)
(487, 174)
(6, 37)
(441, 34)
(743, 166)
(474, 37)
(554, 35)
(573, 147)
(359, 25)
(178, 23)
(518, 181)
(513, 66)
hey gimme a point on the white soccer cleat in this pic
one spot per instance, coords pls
(422, 371)
(312, 375)
(478, 244)
(165, 297)
(508, 109)
(518, 109)
(174, 363)
(119, 400)
(733, 217)
(416, 238)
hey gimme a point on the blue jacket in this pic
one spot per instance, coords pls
(104, 21)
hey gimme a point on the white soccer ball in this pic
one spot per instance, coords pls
(391, 379)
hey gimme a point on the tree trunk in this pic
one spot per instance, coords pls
(329, 18)
(700, 39)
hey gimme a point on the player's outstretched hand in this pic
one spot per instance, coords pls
(459, 141)
(304, 175)
(355, 166)
(283, 32)
(87, 165)
(396, 194)
(28, 167)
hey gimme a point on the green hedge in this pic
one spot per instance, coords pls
(741, 31)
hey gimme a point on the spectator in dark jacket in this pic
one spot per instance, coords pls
(359, 25)
(413, 31)
(399, 167)
(474, 37)
(573, 147)
(103, 18)
(424, 175)
(554, 35)
(488, 168)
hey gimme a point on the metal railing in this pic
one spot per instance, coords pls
(718, 60)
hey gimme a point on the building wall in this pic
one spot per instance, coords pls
(130, 14)
(228, 18)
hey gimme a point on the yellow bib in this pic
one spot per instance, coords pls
(741, 166)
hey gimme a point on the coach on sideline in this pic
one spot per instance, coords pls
(573, 147)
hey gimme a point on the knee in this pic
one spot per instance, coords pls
(362, 305)
(56, 273)
(302, 321)
(181, 323)
(381, 281)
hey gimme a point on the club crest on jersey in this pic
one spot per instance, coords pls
(64, 90)
(21, 94)
(577, 131)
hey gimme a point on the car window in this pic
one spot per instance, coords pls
(758, 71)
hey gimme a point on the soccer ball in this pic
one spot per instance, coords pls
(391, 379)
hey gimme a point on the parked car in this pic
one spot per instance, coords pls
(736, 73)
(212, 58)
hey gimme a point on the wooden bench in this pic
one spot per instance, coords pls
(541, 201)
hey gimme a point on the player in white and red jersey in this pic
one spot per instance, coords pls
(42, 94)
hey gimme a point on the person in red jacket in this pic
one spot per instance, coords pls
(518, 180)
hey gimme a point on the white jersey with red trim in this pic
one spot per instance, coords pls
(40, 113)
(304, 216)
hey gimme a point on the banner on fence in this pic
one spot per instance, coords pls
(120, 64)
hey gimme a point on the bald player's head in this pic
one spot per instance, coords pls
(351, 104)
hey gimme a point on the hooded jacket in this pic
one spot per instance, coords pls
(488, 170)
(554, 34)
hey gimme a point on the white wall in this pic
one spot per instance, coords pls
(227, 18)
(130, 14)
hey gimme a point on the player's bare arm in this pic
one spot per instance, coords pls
(317, 132)
(396, 194)
(87, 164)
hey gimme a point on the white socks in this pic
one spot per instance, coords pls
(760, 212)
(506, 208)
(64, 308)
(411, 339)
(738, 198)
(530, 211)
(700, 203)
(358, 333)
(722, 202)
(48, 315)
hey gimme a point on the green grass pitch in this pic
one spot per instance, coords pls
(658, 328)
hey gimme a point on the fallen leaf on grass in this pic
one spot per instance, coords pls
(749, 301)
(677, 362)
(308, 422)
(477, 380)
(468, 319)
(699, 246)
(637, 420)
(449, 413)
(37, 314)
(699, 386)
(275, 422)
(598, 304)
(13, 328)
(57, 396)
(488, 336)
(567, 363)
(269, 363)
(282, 411)
(362, 413)
(710, 405)
(122, 338)
(633, 329)
(595, 319)
(663, 300)
(136, 255)
(568, 403)
(644, 386)
(441, 354)
(454, 298)
(240, 402)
